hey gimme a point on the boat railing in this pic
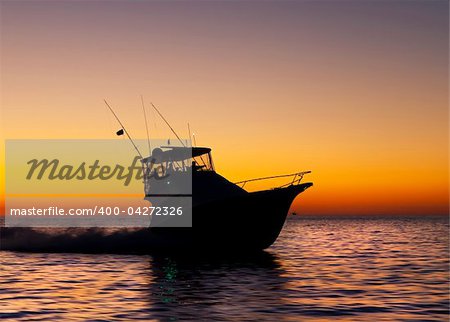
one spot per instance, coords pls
(296, 179)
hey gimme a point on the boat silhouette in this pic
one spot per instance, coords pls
(224, 215)
(218, 214)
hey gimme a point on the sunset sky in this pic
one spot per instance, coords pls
(355, 91)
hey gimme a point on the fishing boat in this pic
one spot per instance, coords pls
(211, 214)
(216, 213)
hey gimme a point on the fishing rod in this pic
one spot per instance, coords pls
(124, 129)
(189, 131)
(181, 141)
(193, 136)
(146, 127)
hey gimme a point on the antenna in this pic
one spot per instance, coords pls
(193, 136)
(189, 131)
(168, 124)
(146, 127)
(123, 127)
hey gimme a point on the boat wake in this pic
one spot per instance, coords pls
(83, 240)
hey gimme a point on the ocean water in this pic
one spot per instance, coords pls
(318, 270)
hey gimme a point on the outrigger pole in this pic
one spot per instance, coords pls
(181, 141)
(125, 130)
(146, 127)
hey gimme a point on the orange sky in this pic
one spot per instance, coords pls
(356, 91)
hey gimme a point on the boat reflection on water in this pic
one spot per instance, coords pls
(216, 288)
(113, 287)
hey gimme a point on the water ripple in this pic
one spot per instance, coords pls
(318, 270)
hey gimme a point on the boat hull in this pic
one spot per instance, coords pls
(241, 223)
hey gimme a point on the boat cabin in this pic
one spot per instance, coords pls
(186, 171)
(168, 159)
